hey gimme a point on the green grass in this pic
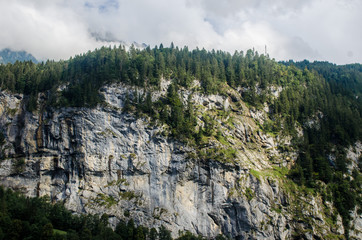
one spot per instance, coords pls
(280, 171)
(331, 236)
(275, 172)
(222, 139)
(59, 232)
(249, 194)
(221, 155)
(256, 174)
(230, 122)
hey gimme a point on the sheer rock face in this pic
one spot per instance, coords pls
(103, 161)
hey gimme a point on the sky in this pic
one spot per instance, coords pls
(326, 30)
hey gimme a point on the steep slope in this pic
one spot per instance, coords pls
(203, 141)
(104, 161)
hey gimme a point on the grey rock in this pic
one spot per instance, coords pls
(104, 161)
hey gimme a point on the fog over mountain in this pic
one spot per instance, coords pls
(9, 56)
(314, 30)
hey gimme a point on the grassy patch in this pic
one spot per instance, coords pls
(249, 194)
(59, 232)
(331, 236)
(230, 122)
(256, 174)
(280, 171)
(275, 172)
(222, 155)
(221, 138)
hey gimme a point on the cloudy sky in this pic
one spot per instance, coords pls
(291, 29)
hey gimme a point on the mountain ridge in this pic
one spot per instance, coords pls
(9, 56)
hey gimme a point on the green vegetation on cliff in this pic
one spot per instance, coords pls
(321, 100)
(36, 218)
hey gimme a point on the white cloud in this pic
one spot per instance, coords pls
(42, 30)
(291, 29)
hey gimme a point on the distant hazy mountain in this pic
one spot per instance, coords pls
(108, 37)
(9, 56)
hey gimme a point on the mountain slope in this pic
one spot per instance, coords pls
(136, 134)
(9, 56)
(104, 161)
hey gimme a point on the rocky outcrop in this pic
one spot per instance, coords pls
(104, 161)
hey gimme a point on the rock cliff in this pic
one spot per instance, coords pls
(104, 161)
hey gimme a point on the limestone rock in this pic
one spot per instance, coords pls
(104, 161)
